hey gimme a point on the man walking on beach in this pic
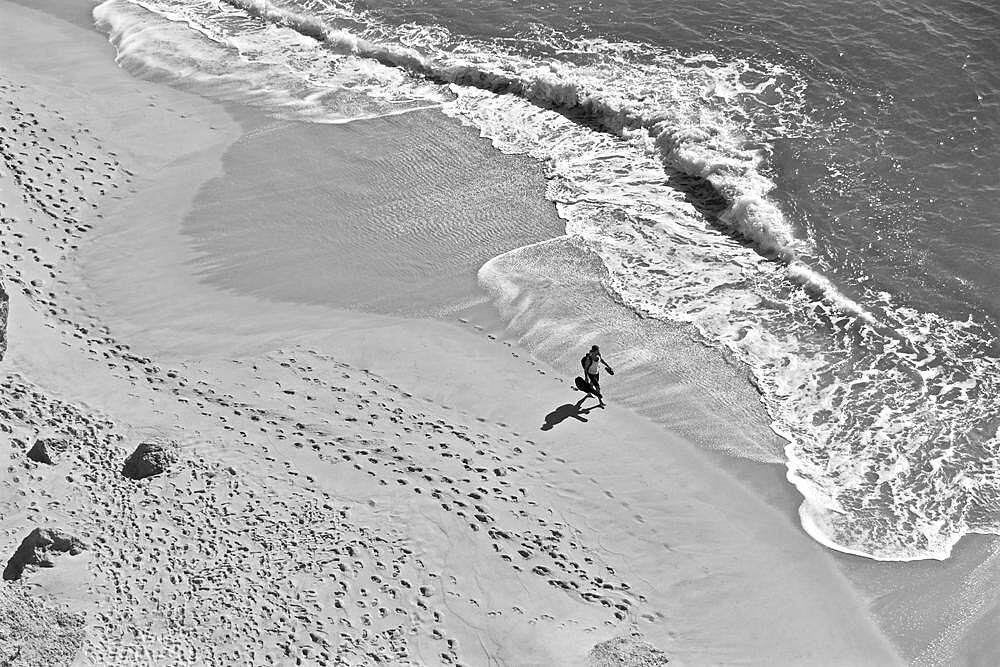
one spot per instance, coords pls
(592, 363)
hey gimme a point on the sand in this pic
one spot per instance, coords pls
(342, 485)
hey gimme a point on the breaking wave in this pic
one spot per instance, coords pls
(169, 47)
(703, 152)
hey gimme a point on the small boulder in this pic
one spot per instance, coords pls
(38, 549)
(150, 458)
(47, 450)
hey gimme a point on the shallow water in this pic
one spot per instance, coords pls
(809, 188)
(357, 236)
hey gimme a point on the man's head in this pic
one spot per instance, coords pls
(595, 350)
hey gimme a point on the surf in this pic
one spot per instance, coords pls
(700, 152)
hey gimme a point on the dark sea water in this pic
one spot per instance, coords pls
(810, 186)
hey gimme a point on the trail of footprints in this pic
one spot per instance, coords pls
(62, 177)
(329, 587)
(470, 469)
(475, 475)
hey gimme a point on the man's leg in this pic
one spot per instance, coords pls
(596, 384)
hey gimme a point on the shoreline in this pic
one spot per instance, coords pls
(699, 559)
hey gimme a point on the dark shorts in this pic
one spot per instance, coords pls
(595, 382)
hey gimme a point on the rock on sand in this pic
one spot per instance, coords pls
(38, 549)
(48, 450)
(150, 458)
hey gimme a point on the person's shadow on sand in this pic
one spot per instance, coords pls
(564, 412)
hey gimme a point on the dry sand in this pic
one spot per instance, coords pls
(340, 486)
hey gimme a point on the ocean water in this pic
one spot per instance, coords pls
(808, 186)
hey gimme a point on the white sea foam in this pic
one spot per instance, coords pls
(709, 150)
(271, 67)
(659, 163)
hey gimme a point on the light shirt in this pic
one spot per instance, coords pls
(595, 365)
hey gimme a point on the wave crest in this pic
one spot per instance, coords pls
(692, 150)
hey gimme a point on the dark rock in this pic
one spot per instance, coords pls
(150, 458)
(47, 450)
(38, 549)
